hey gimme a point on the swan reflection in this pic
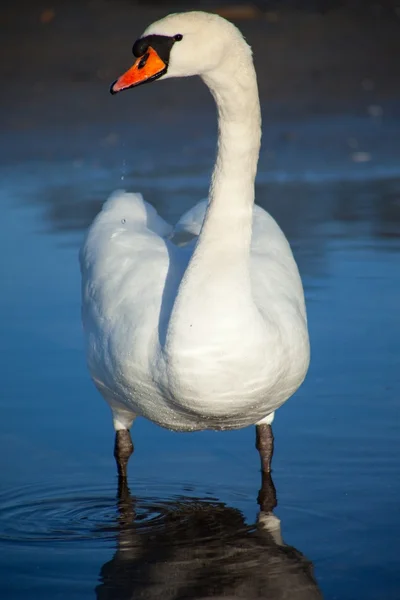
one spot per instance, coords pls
(198, 548)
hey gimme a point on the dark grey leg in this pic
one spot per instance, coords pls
(267, 495)
(123, 449)
(265, 446)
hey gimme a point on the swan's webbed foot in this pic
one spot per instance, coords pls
(123, 449)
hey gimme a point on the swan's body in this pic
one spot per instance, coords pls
(211, 334)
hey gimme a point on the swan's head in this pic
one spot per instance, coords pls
(180, 45)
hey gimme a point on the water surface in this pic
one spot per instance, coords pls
(187, 526)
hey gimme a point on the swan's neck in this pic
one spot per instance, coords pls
(228, 219)
(214, 301)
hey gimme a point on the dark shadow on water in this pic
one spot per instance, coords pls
(197, 548)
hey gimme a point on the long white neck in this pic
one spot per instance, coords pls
(215, 290)
(228, 220)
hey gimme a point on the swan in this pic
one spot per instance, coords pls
(210, 333)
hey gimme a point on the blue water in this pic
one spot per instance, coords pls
(63, 531)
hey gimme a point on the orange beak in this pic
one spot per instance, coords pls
(146, 68)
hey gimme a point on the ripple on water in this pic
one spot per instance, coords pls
(38, 514)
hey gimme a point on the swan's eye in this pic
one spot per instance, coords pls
(178, 37)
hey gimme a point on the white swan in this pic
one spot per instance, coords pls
(212, 334)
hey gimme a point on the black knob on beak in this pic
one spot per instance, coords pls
(140, 47)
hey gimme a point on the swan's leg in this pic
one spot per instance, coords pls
(123, 449)
(123, 446)
(267, 494)
(265, 445)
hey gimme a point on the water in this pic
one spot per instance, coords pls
(187, 526)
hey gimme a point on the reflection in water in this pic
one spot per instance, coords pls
(199, 548)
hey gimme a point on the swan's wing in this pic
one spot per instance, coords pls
(131, 209)
(189, 225)
(275, 276)
(124, 259)
(267, 237)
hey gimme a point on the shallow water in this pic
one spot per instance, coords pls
(187, 526)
